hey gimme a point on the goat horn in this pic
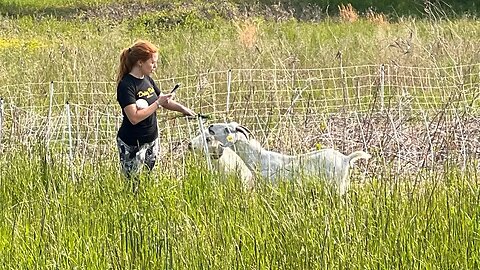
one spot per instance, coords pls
(244, 130)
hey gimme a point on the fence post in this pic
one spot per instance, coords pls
(49, 119)
(357, 88)
(205, 147)
(382, 87)
(70, 144)
(229, 85)
(1, 121)
(346, 100)
(69, 127)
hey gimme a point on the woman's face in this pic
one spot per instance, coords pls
(149, 66)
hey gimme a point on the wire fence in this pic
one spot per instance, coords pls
(407, 117)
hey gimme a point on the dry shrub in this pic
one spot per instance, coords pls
(348, 13)
(377, 18)
(247, 33)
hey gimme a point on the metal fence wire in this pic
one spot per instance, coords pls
(408, 117)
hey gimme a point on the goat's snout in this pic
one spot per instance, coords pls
(217, 151)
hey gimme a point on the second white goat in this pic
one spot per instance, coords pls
(329, 164)
(225, 160)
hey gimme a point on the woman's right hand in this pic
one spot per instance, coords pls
(163, 99)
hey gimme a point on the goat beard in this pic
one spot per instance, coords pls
(217, 154)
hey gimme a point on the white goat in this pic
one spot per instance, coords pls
(327, 163)
(225, 160)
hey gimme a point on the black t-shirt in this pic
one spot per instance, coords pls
(129, 90)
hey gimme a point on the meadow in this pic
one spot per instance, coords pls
(53, 216)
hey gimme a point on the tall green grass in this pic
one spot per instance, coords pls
(205, 221)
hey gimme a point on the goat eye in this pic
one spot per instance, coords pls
(227, 130)
(208, 139)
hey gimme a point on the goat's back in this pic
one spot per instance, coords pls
(325, 161)
(358, 155)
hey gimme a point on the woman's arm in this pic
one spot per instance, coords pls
(135, 115)
(170, 104)
(178, 107)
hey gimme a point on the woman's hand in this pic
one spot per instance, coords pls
(163, 99)
(167, 102)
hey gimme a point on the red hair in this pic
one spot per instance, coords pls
(141, 50)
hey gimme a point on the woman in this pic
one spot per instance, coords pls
(137, 138)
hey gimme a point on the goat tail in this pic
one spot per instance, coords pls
(357, 155)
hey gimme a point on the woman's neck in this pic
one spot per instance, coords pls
(137, 73)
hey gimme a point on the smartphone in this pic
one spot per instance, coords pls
(175, 88)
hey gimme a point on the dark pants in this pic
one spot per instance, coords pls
(134, 157)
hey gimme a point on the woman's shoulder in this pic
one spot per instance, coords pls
(125, 84)
(126, 80)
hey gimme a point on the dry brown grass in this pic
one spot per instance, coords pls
(377, 18)
(247, 33)
(348, 13)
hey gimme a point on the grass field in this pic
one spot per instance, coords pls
(204, 221)
(201, 220)
(47, 48)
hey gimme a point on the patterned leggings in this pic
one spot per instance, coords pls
(133, 157)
